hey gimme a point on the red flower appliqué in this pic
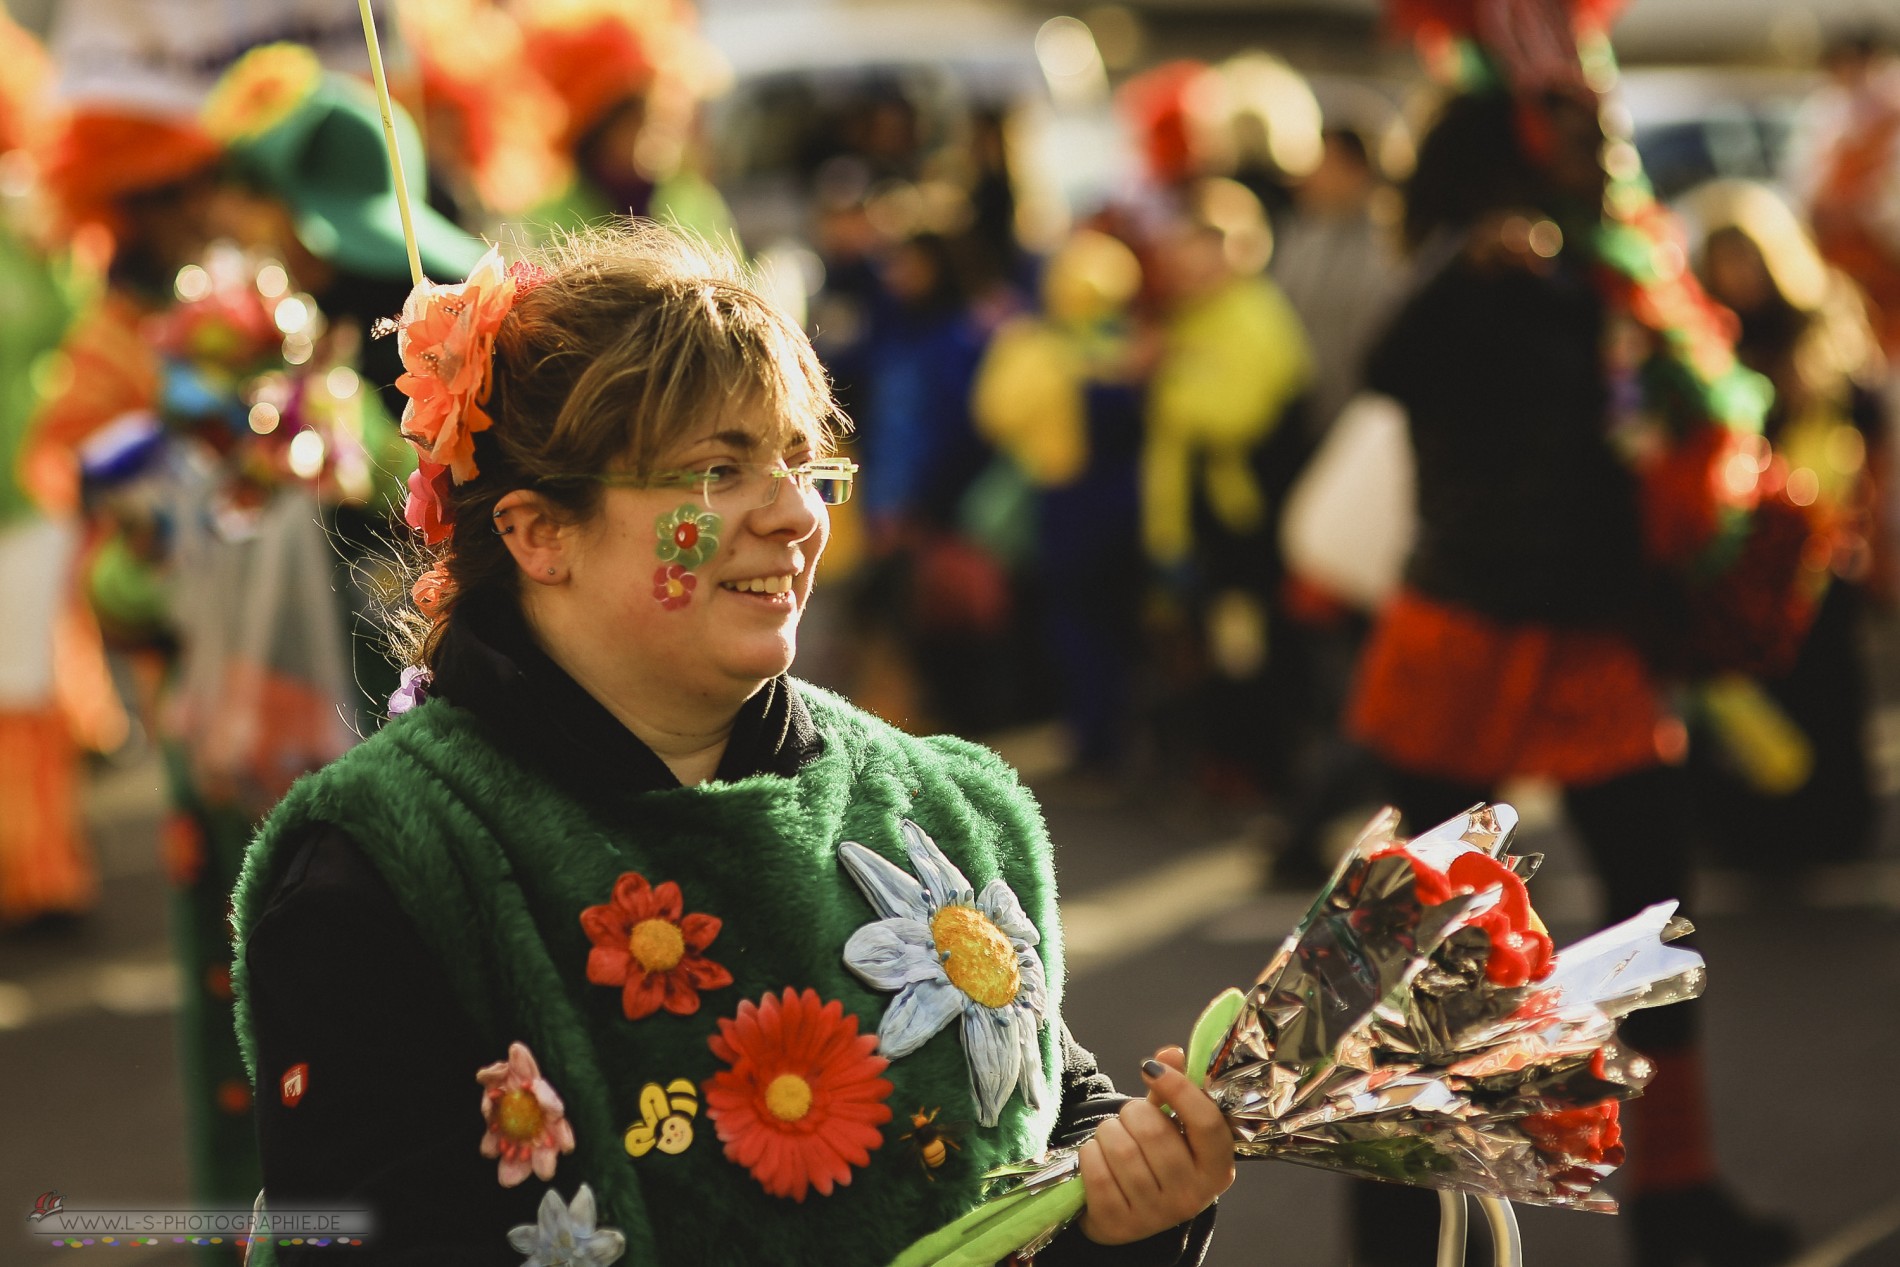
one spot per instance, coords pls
(645, 944)
(802, 1102)
(673, 585)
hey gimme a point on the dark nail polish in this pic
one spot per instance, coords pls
(1153, 1068)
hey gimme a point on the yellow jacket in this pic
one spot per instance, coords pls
(1232, 363)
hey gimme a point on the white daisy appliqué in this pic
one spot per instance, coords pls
(947, 951)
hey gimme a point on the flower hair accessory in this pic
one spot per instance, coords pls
(446, 337)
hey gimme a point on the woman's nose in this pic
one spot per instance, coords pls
(794, 511)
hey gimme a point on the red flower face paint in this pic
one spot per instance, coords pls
(673, 586)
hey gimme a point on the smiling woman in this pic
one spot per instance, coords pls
(614, 868)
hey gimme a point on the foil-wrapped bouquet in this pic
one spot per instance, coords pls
(1417, 1027)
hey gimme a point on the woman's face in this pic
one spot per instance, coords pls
(706, 597)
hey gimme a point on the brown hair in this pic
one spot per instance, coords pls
(622, 340)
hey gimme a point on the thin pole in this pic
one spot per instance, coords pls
(389, 138)
(1452, 1220)
(1504, 1234)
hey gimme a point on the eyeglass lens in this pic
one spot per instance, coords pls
(732, 486)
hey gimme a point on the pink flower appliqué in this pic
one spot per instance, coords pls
(446, 337)
(427, 507)
(527, 1123)
(673, 585)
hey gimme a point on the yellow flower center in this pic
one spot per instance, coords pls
(519, 1115)
(980, 962)
(658, 944)
(673, 587)
(788, 1098)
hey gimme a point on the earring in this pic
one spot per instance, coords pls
(550, 571)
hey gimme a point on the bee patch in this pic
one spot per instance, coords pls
(666, 1119)
(932, 1142)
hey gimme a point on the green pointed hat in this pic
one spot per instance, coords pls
(315, 139)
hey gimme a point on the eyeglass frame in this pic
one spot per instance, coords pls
(841, 469)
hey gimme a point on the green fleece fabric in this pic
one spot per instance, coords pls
(494, 865)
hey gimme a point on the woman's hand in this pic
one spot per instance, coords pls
(1147, 1172)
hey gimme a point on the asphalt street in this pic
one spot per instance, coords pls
(1164, 906)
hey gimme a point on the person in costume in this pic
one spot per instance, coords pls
(1337, 261)
(630, 75)
(1223, 405)
(617, 937)
(1059, 393)
(1788, 755)
(46, 869)
(1512, 649)
(1844, 166)
(130, 182)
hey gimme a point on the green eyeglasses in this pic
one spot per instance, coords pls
(736, 487)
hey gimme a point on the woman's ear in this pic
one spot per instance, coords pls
(538, 538)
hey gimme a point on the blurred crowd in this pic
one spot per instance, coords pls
(1123, 470)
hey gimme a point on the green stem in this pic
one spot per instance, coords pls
(1002, 1225)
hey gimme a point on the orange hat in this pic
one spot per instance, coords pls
(594, 55)
(503, 123)
(103, 155)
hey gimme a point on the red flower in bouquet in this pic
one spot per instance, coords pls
(646, 944)
(1591, 1135)
(1520, 947)
(802, 1102)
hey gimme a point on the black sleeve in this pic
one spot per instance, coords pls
(389, 1116)
(1088, 1099)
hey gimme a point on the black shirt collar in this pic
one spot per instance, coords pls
(490, 664)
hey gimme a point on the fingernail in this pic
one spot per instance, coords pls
(1153, 1068)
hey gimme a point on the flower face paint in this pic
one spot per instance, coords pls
(673, 586)
(687, 537)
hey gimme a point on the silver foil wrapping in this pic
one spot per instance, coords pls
(1374, 1044)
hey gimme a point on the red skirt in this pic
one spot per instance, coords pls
(1447, 692)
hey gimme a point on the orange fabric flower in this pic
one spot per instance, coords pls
(447, 340)
(803, 1101)
(644, 944)
(431, 592)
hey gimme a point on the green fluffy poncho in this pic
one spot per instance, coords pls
(495, 866)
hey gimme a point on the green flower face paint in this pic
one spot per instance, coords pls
(687, 536)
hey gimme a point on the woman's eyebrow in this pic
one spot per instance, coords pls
(751, 443)
(735, 439)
